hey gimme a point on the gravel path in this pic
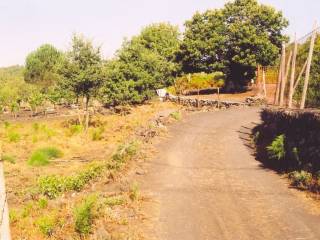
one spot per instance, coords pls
(208, 185)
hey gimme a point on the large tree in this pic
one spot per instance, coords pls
(82, 69)
(234, 39)
(42, 66)
(142, 65)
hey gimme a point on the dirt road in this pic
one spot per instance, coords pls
(208, 185)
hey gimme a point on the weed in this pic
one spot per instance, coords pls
(13, 136)
(301, 179)
(125, 152)
(97, 134)
(115, 201)
(35, 127)
(176, 115)
(134, 192)
(276, 149)
(27, 210)
(43, 203)
(84, 215)
(46, 224)
(13, 216)
(6, 125)
(42, 157)
(9, 158)
(75, 129)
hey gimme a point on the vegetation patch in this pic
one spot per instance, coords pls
(9, 158)
(42, 156)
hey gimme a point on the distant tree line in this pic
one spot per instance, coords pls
(232, 40)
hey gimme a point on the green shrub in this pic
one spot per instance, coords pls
(276, 149)
(176, 115)
(301, 179)
(46, 224)
(84, 215)
(13, 216)
(42, 157)
(13, 136)
(53, 186)
(9, 158)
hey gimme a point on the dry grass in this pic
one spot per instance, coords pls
(30, 220)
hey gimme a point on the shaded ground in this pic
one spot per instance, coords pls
(207, 185)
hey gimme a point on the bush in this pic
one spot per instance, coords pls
(134, 192)
(46, 224)
(42, 157)
(43, 203)
(53, 186)
(84, 215)
(277, 150)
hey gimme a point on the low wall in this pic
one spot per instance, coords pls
(191, 102)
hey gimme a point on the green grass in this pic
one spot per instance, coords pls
(46, 225)
(84, 215)
(115, 201)
(13, 136)
(75, 129)
(42, 157)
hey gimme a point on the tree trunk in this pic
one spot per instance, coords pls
(283, 57)
(87, 113)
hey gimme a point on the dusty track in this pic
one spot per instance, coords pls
(207, 185)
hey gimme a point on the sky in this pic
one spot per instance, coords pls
(27, 24)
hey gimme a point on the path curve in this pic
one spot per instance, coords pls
(208, 185)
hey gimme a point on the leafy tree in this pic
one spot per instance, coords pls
(82, 69)
(142, 65)
(233, 39)
(42, 66)
(313, 94)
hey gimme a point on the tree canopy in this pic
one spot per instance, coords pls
(42, 65)
(142, 65)
(82, 69)
(234, 39)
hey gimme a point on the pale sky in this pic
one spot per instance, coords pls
(26, 24)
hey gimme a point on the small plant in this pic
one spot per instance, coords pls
(276, 149)
(134, 192)
(43, 203)
(75, 129)
(176, 115)
(125, 152)
(301, 179)
(13, 216)
(36, 127)
(97, 134)
(256, 137)
(46, 224)
(84, 215)
(42, 157)
(13, 136)
(115, 201)
(27, 209)
(6, 125)
(9, 158)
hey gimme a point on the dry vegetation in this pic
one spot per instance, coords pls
(59, 178)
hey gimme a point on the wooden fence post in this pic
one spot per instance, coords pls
(293, 71)
(264, 82)
(284, 80)
(306, 81)
(282, 60)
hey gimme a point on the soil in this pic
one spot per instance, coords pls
(205, 183)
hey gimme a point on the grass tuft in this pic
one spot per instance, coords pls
(84, 215)
(42, 157)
